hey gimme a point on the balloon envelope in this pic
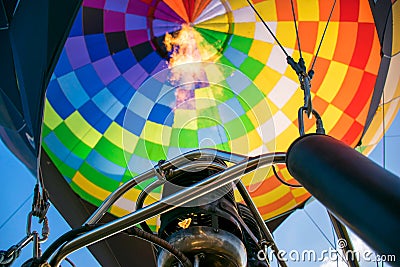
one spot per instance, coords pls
(119, 99)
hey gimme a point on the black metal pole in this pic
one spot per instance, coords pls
(360, 193)
(347, 247)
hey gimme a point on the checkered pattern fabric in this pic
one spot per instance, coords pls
(109, 116)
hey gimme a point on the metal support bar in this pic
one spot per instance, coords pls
(348, 249)
(177, 199)
(36, 245)
(257, 216)
(175, 162)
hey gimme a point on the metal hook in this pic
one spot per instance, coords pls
(29, 224)
(318, 121)
(305, 83)
(45, 228)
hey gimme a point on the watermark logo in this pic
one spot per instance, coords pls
(331, 254)
(341, 243)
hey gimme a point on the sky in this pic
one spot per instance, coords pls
(297, 233)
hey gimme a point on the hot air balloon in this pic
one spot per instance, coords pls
(139, 82)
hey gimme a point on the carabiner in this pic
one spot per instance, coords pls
(318, 121)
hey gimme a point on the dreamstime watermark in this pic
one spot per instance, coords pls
(330, 254)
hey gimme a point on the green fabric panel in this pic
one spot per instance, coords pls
(45, 130)
(214, 38)
(66, 170)
(150, 150)
(98, 178)
(240, 43)
(82, 150)
(223, 146)
(208, 117)
(250, 97)
(66, 136)
(111, 152)
(184, 138)
(238, 127)
(251, 67)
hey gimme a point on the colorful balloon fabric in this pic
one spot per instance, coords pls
(390, 101)
(111, 114)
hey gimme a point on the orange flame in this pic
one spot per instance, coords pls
(185, 47)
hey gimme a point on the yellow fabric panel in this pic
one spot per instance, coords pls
(260, 50)
(256, 177)
(51, 118)
(218, 24)
(267, 10)
(245, 29)
(333, 81)
(259, 114)
(286, 34)
(214, 74)
(392, 105)
(83, 130)
(376, 130)
(396, 28)
(298, 192)
(292, 106)
(267, 79)
(89, 187)
(308, 10)
(328, 46)
(284, 140)
(206, 97)
(234, 4)
(330, 117)
(271, 196)
(393, 79)
(246, 143)
(184, 119)
(119, 212)
(156, 133)
(121, 137)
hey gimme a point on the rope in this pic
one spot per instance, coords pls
(319, 229)
(15, 212)
(322, 232)
(322, 37)
(267, 27)
(295, 27)
(283, 181)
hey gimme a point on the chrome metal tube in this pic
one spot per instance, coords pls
(191, 167)
(175, 162)
(348, 249)
(177, 199)
(257, 216)
(279, 158)
(114, 196)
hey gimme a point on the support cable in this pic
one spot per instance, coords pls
(15, 211)
(311, 72)
(323, 234)
(268, 28)
(283, 181)
(295, 27)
